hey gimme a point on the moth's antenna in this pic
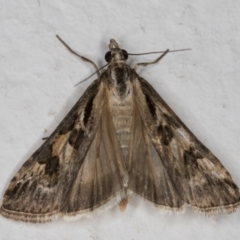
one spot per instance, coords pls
(91, 75)
(83, 58)
(146, 53)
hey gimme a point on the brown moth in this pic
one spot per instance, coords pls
(119, 138)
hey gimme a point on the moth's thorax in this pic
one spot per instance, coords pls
(119, 75)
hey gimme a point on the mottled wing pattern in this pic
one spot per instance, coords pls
(64, 176)
(179, 168)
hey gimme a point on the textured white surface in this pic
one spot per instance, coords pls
(202, 86)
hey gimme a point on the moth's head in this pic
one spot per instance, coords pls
(115, 54)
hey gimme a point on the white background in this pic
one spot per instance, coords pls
(37, 77)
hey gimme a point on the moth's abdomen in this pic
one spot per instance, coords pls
(121, 112)
(122, 125)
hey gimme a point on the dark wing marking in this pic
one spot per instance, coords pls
(196, 175)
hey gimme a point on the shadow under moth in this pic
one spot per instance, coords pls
(119, 138)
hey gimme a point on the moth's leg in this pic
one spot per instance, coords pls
(148, 63)
(83, 58)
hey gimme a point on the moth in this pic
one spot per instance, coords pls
(119, 138)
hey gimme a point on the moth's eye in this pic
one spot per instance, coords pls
(108, 56)
(125, 54)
